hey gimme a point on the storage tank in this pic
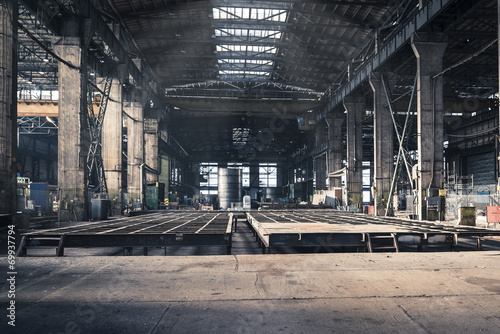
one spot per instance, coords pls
(229, 187)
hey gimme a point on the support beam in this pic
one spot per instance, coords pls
(390, 46)
(8, 108)
(112, 146)
(382, 140)
(135, 153)
(143, 77)
(355, 105)
(335, 152)
(429, 49)
(73, 139)
(263, 107)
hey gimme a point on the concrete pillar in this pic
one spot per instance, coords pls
(112, 146)
(383, 129)
(335, 152)
(498, 143)
(355, 105)
(151, 141)
(320, 160)
(73, 138)
(8, 108)
(135, 153)
(429, 49)
(320, 169)
(152, 152)
(164, 176)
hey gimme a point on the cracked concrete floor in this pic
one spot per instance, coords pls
(297, 293)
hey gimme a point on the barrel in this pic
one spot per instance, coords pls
(229, 187)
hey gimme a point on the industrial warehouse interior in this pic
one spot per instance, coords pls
(249, 166)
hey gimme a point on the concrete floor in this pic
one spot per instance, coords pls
(296, 293)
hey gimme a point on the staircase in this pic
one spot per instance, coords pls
(382, 242)
(41, 241)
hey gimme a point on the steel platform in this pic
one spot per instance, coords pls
(179, 228)
(332, 229)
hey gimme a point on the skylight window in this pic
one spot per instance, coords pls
(248, 33)
(237, 44)
(245, 72)
(239, 13)
(246, 61)
(246, 48)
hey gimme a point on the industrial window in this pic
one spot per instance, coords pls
(268, 175)
(245, 172)
(209, 178)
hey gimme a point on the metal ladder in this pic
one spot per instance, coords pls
(382, 242)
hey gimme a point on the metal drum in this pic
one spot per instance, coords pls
(229, 187)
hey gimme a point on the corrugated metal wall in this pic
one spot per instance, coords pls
(482, 166)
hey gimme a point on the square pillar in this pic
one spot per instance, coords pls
(320, 160)
(335, 152)
(320, 169)
(135, 153)
(112, 146)
(73, 138)
(383, 133)
(355, 105)
(151, 138)
(8, 108)
(429, 49)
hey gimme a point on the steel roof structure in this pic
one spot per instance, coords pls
(247, 63)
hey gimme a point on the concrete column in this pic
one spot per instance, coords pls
(320, 169)
(112, 146)
(429, 49)
(73, 138)
(8, 108)
(135, 153)
(320, 161)
(151, 140)
(335, 152)
(498, 143)
(355, 105)
(164, 176)
(383, 129)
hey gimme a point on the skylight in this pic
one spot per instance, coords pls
(275, 34)
(242, 13)
(240, 48)
(246, 48)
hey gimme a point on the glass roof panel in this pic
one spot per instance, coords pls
(271, 34)
(238, 13)
(246, 67)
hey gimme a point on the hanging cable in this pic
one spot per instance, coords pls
(43, 46)
(466, 59)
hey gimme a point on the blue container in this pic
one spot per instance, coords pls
(39, 192)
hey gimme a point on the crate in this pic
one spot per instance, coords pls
(493, 214)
